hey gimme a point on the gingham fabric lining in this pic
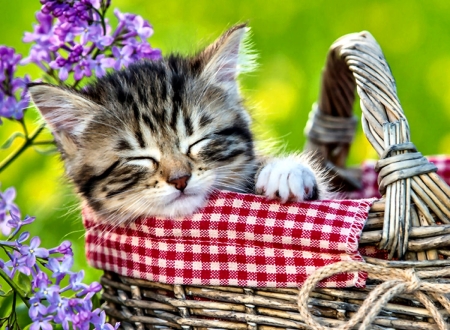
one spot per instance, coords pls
(241, 240)
(237, 239)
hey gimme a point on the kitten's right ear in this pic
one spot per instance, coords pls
(65, 111)
(228, 56)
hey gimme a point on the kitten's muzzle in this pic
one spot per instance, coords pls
(181, 182)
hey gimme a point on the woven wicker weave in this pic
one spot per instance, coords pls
(404, 222)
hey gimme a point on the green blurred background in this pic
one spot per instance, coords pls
(292, 38)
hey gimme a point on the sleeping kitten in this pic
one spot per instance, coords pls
(156, 138)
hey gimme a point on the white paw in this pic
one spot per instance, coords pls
(287, 180)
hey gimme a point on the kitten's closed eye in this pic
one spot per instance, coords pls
(147, 162)
(195, 148)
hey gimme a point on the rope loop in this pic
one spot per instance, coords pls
(396, 281)
(412, 281)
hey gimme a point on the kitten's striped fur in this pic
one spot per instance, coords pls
(156, 138)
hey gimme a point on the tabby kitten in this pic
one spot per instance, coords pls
(156, 138)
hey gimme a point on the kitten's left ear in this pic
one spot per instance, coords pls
(66, 112)
(228, 56)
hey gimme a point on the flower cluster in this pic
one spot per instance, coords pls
(10, 86)
(47, 301)
(75, 37)
(71, 41)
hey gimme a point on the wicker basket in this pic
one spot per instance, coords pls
(411, 222)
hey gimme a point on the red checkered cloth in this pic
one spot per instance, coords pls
(241, 240)
(236, 240)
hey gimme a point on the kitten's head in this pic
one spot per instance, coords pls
(156, 138)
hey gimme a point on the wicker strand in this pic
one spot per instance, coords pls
(406, 178)
(324, 128)
(396, 282)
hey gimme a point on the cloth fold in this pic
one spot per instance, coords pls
(235, 240)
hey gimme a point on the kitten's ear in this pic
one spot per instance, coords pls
(228, 56)
(66, 112)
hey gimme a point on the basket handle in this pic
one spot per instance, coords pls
(406, 178)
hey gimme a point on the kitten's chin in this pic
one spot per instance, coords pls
(181, 206)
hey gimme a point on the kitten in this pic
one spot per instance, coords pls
(156, 138)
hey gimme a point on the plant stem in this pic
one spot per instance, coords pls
(28, 142)
(14, 287)
(40, 143)
(25, 130)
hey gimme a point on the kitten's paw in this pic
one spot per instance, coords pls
(287, 180)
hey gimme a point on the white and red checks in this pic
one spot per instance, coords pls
(241, 240)
(237, 239)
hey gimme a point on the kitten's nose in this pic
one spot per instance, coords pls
(181, 182)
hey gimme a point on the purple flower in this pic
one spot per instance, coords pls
(133, 25)
(4, 227)
(42, 323)
(82, 319)
(40, 281)
(94, 34)
(16, 222)
(60, 269)
(41, 31)
(82, 69)
(100, 64)
(59, 305)
(76, 281)
(99, 321)
(33, 251)
(6, 206)
(143, 50)
(122, 56)
(17, 263)
(64, 248)
(37, 308)
(22, 238)
(90, 290)
(142, 27)
(10, 85)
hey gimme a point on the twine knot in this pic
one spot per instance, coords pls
(412, 281)
(394, 282)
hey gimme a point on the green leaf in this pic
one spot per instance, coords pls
(22, 315)
(96, 303)
(24, 283)
(49, 151)
(5, 294)
(5, 305)
(11, 139)
(57, 327)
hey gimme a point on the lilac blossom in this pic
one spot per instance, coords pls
(74, 39)
(16, 263)
(41, 322)
(7, 200)
(71, 41)
(47, 304)
(10, 86)
(100, 322)
(32, 251)
(100, 64)
(122, 56)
